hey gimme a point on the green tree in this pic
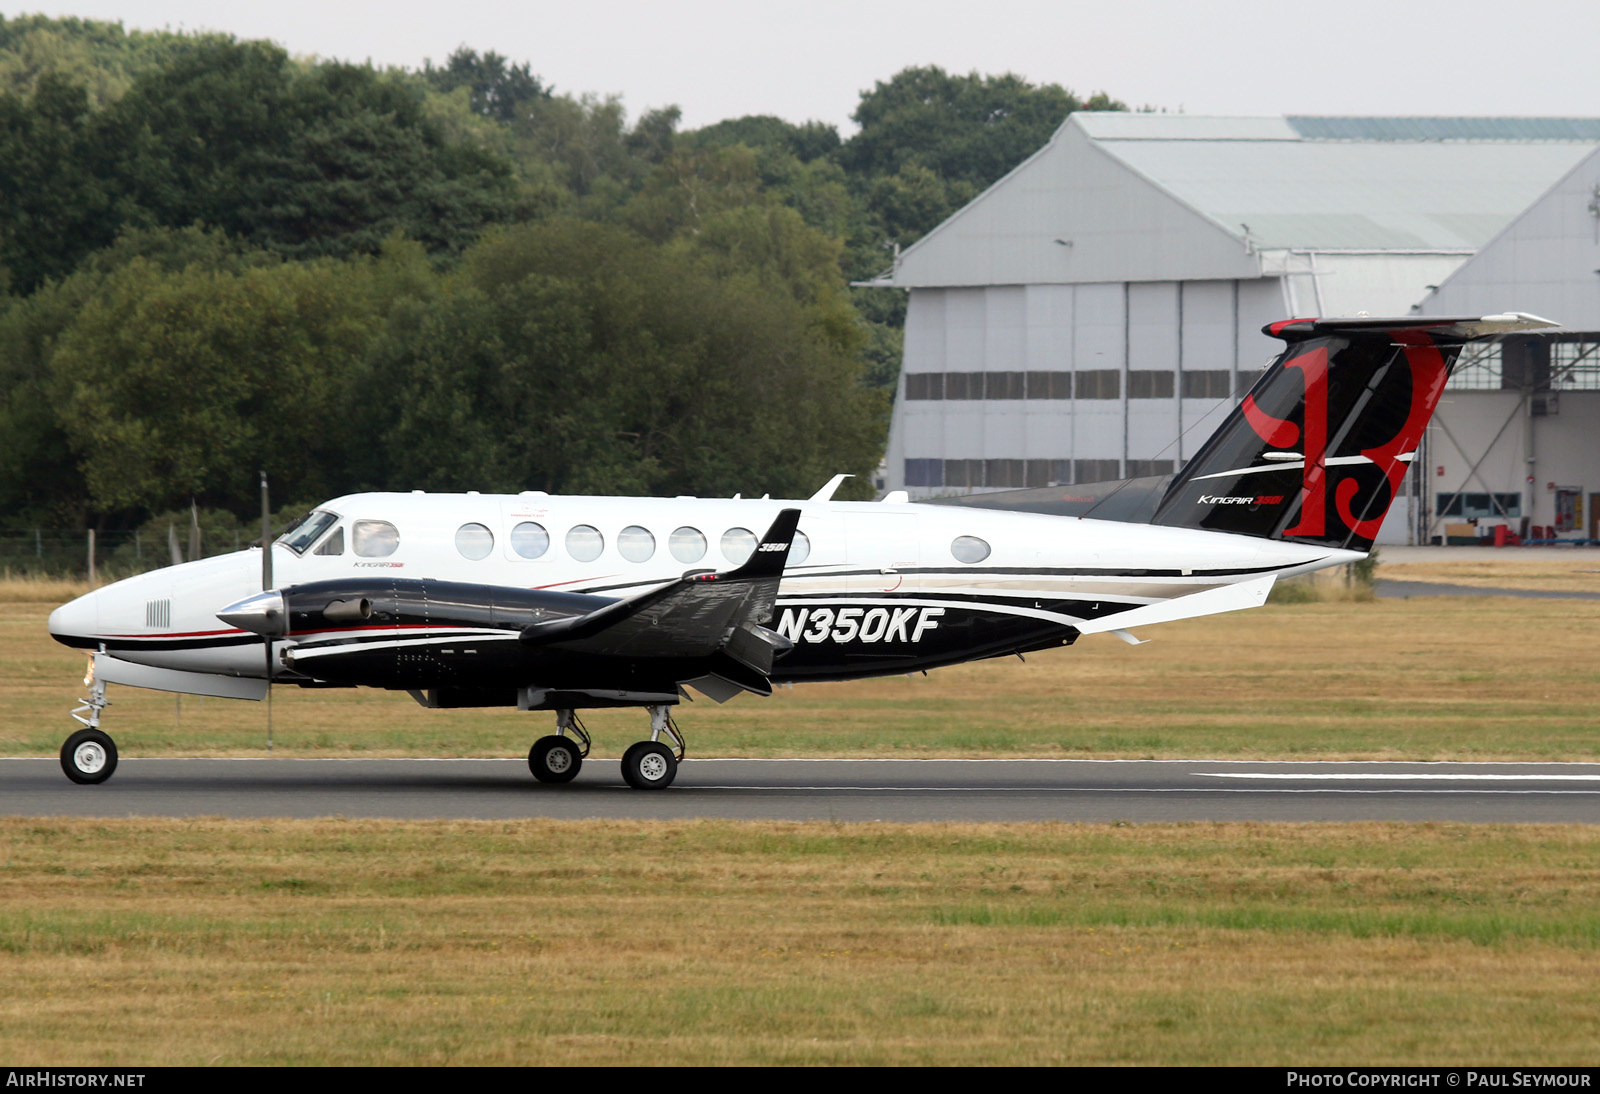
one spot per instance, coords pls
(325, 163)
(495, 88)
(174, 385)
(575, 357)
(52, 206)
(39, 477)
(98, 56)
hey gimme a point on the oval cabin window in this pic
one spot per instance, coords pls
(687, 544)
(474, 541)
(969, 549)
(799, 549)
(636, 544)
(374, 538)
(585, 543)
(738, 544)
(530, 540)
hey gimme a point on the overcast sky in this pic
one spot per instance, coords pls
(723, 58)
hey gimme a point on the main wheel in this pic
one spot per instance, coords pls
(554, 759)
(89, 756)
(649, 765)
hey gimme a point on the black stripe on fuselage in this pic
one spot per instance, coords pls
(90, 642)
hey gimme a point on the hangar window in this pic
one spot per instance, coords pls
(799, 549)
(1096, 470)
(304, 532)
(1049, 385)
(585, 543)
(1141, 468)
(1207, 384)
(636, 544)
(687, 544)
(530, 540)
(1099, 383)
(1003, 385)
(969, 549)
(474, 541)
(333, 545)
(738, 544)
(374, 538)
(924, 472)
(1467, 506)
(1149, 384)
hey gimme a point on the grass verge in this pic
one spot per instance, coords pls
(342, 942)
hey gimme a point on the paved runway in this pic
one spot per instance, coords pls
(1137, 791)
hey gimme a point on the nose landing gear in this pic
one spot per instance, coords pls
(90, 756)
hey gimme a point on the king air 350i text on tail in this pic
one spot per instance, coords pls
(566, 603)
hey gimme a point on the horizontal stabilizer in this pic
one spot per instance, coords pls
(1229, 598)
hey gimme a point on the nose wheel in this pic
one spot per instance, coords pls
(89, 756)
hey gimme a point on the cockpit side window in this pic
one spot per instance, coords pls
(333, 545)
(374, 538)
(307, 530)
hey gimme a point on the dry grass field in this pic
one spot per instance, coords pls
(367, 942)
(539, 942)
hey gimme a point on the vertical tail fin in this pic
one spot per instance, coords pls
(1318, 450)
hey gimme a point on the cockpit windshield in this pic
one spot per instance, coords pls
(307, 530)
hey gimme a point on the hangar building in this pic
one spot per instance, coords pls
(1094, 313)
(1515, 440)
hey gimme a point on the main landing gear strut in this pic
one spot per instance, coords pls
(90, 756)
(647, 765)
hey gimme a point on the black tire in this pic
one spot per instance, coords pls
(649, 765)
(89, 756)
(555, 759)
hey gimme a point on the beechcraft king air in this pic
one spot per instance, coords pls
(550, 603)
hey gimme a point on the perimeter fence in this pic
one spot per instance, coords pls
(53, 553)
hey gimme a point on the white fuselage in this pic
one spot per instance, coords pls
(855, 558)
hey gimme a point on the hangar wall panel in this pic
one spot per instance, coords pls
(1544, 262)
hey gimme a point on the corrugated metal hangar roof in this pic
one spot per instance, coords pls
(1388, 195)
(1412, 185)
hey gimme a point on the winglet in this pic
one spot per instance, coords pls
(772, 553)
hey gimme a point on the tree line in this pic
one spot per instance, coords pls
(215, 257)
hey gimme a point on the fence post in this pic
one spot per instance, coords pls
(92, 582)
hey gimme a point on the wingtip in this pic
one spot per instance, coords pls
(772, 552)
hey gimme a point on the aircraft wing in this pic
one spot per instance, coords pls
(697, 616)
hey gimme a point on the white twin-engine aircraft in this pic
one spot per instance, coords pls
(566, 603)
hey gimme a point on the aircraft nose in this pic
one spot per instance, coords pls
(76, 622)
(263, 613)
